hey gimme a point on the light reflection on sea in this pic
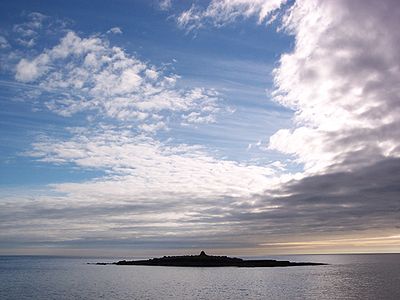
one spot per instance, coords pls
(348, 277)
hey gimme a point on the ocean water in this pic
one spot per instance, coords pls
(369, 276)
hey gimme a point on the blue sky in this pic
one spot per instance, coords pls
(236, 126)
(242, 75)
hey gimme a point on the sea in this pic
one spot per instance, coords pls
(361, 276)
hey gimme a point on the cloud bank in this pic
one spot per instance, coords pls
(342, 81)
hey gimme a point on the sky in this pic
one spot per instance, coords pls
(246, 127)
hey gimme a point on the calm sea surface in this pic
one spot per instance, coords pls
(348, 277)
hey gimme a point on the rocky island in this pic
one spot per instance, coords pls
(204, 260)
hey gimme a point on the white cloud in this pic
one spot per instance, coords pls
(343, 81)
(152, 127)
(87, 74)
(115, 30)
(152, 74)
(149, 169)
(27, 71)
(165, 4)
(197, 118)
(221, 12)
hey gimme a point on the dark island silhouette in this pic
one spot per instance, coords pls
(204, 260)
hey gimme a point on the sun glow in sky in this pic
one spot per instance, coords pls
(235, 126)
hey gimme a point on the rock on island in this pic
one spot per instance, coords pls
(204, 260)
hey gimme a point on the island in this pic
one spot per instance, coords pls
(204, 260)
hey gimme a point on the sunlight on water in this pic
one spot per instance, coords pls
(348, 277)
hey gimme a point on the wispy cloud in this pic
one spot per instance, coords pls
(115, 30)
(227, 11)
(3, 42)
(165, 4)
(35, 26)
(28, 31)
(142, 166)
